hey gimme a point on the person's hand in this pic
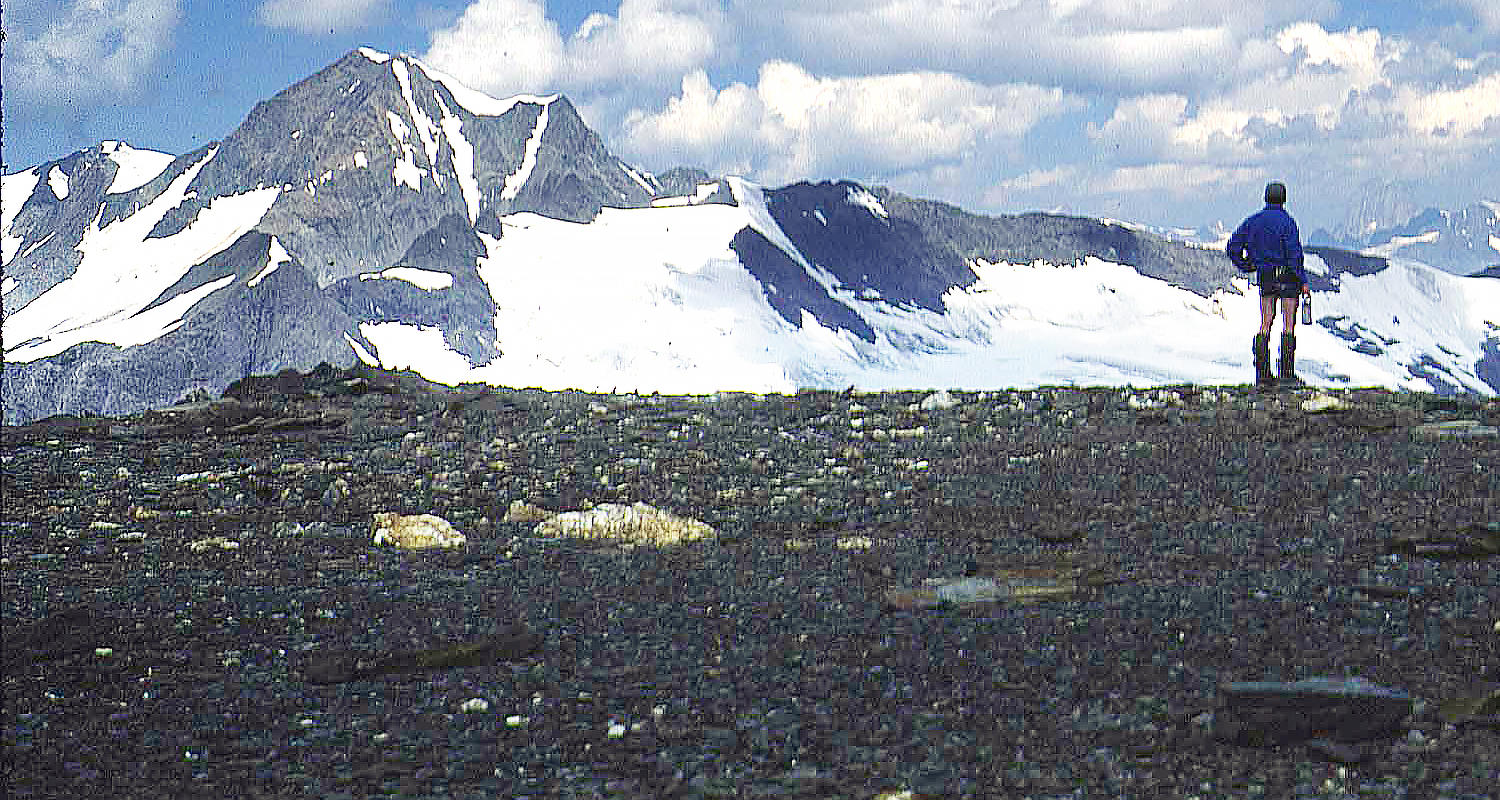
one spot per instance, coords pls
(1306, 291)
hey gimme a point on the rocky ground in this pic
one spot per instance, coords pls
(194, 605)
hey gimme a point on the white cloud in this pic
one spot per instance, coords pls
(510, 46)
(1179, 181)
(793, 125)
(1142, 128)
(502, 47)
(1452, 112)
(82, 51)
(320, 16)
(1143, 105)
(1133, 46)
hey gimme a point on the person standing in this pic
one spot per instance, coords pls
(1268, 244)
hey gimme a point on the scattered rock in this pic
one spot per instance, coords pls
(1383, 592)
(1321, 403)
(1479, 709)
(1340, 752)
(337, 493)
(635, 524)
(941, 400)
(61, 634)
(1470, 541)
(415, 532)
(340, 666)
(525, 513)
(1266, 713)
(213, 543)
(1016, 585)
(1456, 429)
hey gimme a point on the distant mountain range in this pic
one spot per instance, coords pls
(1464, 242)
(381, 211)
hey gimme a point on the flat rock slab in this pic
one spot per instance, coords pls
(1265, 713)
(340, 666)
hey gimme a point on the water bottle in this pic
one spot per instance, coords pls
(1306, 309)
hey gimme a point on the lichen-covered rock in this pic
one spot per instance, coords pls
(635, 524)
(415, 531)
(1322, 403)
(213, 543)
(525, 513)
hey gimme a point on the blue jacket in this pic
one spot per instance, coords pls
(1268, 238)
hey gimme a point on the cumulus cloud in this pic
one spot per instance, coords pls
(793, 124)
(1457, 112)
(502, 47)
(1106, 106)
(511, 46)
(79, 52)
(320, 16)
(1134, 46)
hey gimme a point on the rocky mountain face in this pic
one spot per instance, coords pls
(379, 211)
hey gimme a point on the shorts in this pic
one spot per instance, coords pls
(1278, 282)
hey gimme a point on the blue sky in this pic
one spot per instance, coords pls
(1164, 112)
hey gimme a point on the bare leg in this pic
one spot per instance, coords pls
(1267, 314)
(1288, 315)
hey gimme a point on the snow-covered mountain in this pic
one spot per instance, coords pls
(1464, 242)
(380, 211)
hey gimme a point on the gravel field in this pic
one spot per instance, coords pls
(194, 605)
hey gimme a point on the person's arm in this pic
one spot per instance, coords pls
(1294, 253)
(1239, 246)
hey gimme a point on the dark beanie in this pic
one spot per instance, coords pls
(1276, 193)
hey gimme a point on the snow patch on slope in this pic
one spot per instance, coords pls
(641, 179)
(276, 255)
(654, 299)
(57, 181)
(476, 102)
(123, 269)
(463, 159)
(1425, 307)
(406, 171)
(136, 167)
(1397, 242)
(864, 199)
(426, 129)
(429, 280)
(516, 180)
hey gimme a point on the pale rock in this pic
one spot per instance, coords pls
(526, 513)
(1322, 403)
(938, 401)
(636, 524)
(1456, 429)
(213, 543)
(474, 705)
(416, 531)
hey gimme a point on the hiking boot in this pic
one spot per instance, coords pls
(1288, 360)
(1261, 349)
